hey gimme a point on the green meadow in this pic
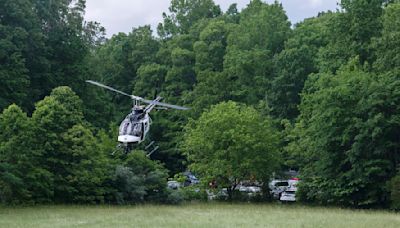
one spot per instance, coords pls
(195, 215)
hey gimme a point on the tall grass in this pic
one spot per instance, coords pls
(194, 215)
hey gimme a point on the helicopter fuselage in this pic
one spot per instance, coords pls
(134, 127)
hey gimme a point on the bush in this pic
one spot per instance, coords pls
(139, 180)
(130, 187)
(395, 192)
(194, 193)
(174, 197)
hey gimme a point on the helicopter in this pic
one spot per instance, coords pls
(136, 125)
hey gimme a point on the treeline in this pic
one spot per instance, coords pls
(54, 157)
(326, 91)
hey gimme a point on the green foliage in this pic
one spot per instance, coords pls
(130, 187)
(184, 14)
(174, 197)
(252, 32)
(330, 84)
(80, 179)
(22, 180)
(387, 46)
(349, 136)
(139, 180)
(54, 118)
(350, 33)
(251, 46)
(16, 31)
(395, 192)
(194, 193)
(118, 62)
(211, 87)
(210, 49)
(14, 124)
(150, 80)
(294, 64)
(231, 143)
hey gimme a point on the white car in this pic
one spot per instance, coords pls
(277, 187)
(249, 189)
(242, 188)
(293, 183)
(288, 196)
(173, 185)
(253, 189)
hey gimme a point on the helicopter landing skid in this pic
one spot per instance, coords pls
(126, 148)
(152, 147)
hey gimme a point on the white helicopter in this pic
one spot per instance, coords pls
(134, 128)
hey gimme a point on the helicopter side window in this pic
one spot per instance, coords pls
(130, 128)
(137, 129)
(125, 128)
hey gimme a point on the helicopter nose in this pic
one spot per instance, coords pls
(128, 139)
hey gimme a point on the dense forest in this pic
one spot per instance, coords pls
(321, 96)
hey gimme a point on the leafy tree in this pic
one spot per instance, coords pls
(140, 179)
(184, 14)
(43, 44)
(210, 48)
(295, 63)
(176, 55)
(150, 80)
(387, 46)
(232, 14)
(180, 77)
(22, 180)
(53, 117)
(19, 36)
(62, 26)
(248, 60)
(350, 34)
(231, 143)
(84, 167)
(395, 192)
(348, 137)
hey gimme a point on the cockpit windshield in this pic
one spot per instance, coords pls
(130, 128)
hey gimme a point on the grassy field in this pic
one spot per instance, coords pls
(194, 215)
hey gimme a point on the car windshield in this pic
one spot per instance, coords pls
(290, 192)
(279, 184)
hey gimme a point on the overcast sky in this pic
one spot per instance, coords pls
(123, 15)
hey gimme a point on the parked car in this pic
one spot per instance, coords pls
(277, 187)
(250, 190)
(173, 185)
(288, 196)
(253, 189)
(293, 183)
(190, 179)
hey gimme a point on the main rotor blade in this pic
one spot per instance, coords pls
(165, 104)
(138, 98)
(109, 88)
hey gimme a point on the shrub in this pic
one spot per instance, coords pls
(174, 197)
(194, 193)
(395, 192)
